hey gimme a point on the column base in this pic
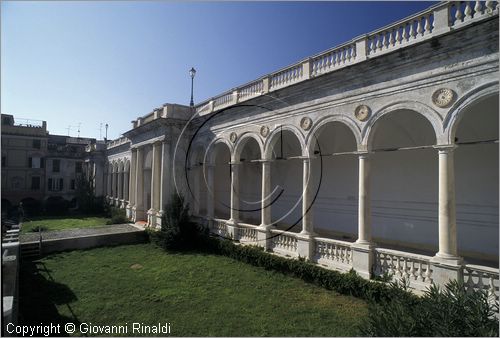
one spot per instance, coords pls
(151, 214)
(446, 269)
(139, 214)
(305, 245)
(362, 258)
(232, 230)
(159, 219)
(129, 211)
(263, 235)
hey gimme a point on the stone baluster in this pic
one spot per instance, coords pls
(489, 7)
(468, 11)
(420, 28)
(478, 8)
(458, 13)
(427, 27)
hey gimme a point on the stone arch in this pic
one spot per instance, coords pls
(324, 121)
(425, 111)
(274, 135)
(456, 112)
(242, 141)
(210, 153)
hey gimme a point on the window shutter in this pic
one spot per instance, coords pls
(42, 163)
(50, 184)
(30, 162)
(61, 181)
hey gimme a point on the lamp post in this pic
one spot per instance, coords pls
(192, 73)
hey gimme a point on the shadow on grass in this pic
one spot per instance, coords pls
(39, 294)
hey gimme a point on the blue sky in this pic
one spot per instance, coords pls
(110, 62)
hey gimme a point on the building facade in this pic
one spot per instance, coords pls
(380, 154)
(37, 166)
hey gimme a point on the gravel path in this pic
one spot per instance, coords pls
(99, 230)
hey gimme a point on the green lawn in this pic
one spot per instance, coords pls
(198, 294)
(60, 223)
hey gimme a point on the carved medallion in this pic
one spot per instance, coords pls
(306, 123)
(233, 137)
(264, 131)
(443, 97)
(362, 112)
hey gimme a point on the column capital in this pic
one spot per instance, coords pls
(235, 162)
(445, 148)
(365, 154)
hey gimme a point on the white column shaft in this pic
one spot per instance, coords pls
(156, 177)
(265, 194)
(447, 216)
(132, 178)
(210, 190)
(166, 168)
(364, 204)
(307, 212)
(139, 184)
(235, 186)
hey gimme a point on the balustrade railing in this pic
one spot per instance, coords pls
(223, 100)
(333, 59)
(436, 20)
(284, 243)
(247, 234)
(404, 32)
(333, 253)
(286, 76)
(462, 12)
(219, 227)
(397, 264)
(251, 90)
(482, 278)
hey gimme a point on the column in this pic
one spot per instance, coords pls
(166, 180)
(196, 188)
(265, 194)
(209, 167)
(364, 202)
(155, 184)
(362, 250)
(446, 265)
(305, 240)
(235, 183)
(139, 187)
(113, 185)
(447, 217)
(132, 179)
(126, 185)
(120, 185)
(307, 213)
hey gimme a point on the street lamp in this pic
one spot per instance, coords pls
(192, 73)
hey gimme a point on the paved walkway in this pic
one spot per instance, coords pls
(70, 233)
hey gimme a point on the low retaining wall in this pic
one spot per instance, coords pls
(91, 241)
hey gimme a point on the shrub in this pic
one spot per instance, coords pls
(177, 230)
(449, 312)
(118, 216)
(87, 201)
(56, 206)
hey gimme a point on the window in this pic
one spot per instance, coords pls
(37, 144)
(56, 164)
(55, 184)
(35, 162)
(4, 161)
(72, 185)
(78, 167)
(35, 183)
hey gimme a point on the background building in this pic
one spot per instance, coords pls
(37, 166)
